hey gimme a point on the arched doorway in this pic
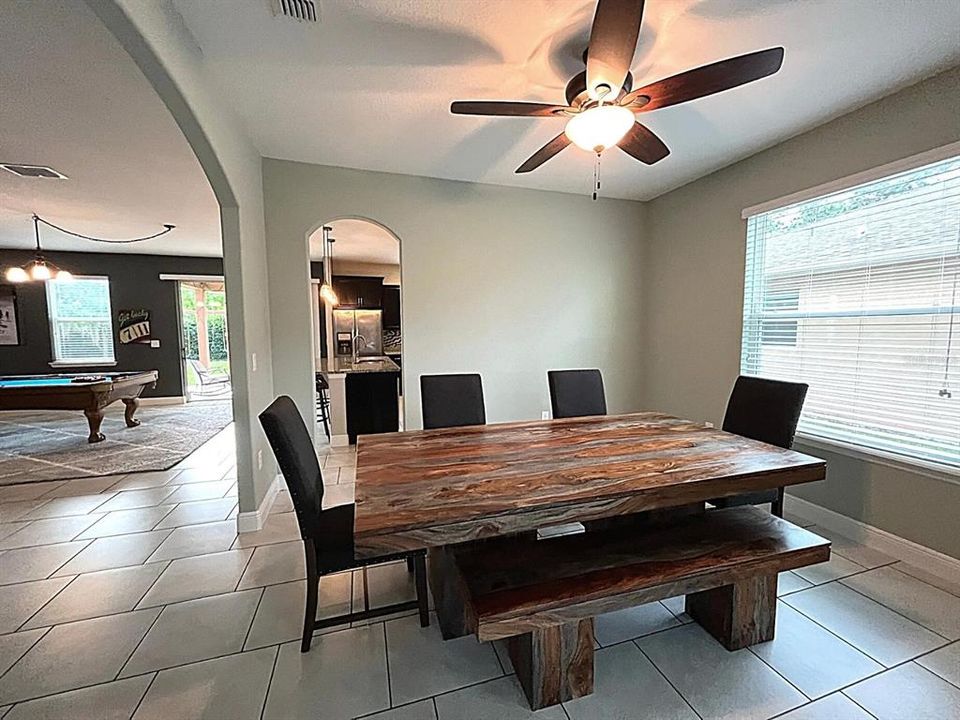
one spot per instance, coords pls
(357, 328)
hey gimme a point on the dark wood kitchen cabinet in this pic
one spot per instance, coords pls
(359, 291)
(391, 306)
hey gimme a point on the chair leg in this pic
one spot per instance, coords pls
(313, 588)
(411, 564)
(420, 577)
(777, 506)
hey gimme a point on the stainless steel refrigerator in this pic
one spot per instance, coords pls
(366, 325)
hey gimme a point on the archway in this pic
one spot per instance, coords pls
(357, 328)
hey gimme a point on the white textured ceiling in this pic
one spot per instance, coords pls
(358, 240)
(369, 86)
(71, 98)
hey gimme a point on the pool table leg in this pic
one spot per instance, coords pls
(130, 407)
(94, 419)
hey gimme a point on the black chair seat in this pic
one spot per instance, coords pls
(327, 533)
(576, 393)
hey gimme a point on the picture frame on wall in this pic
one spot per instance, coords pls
(9, 322)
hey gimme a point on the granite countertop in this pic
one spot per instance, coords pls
(340, 365)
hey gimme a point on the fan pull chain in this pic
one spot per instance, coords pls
(596, 176)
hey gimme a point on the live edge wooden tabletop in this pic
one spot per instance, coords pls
(440, 487)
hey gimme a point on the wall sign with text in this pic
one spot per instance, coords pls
(134, 326)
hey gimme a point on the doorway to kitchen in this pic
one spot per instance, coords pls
(357, 329)
(203, 339)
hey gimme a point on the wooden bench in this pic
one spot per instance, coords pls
(542, 595)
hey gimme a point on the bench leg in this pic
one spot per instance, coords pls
(737, 615)
(554, 664)
(447, 595)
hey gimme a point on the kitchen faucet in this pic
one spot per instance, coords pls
(357, 345)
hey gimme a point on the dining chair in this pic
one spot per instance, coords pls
(768, 411)
(576, 393)
(451, 401)
(327, 533)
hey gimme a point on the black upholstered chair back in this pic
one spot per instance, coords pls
(765, 410)
(576, 393)
(451, 401)
(288, 435)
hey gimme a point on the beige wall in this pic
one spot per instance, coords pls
(693, 296)
(502, 281)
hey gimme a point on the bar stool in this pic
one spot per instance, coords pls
(323, 403)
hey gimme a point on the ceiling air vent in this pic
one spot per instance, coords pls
(296, 9)
(32, 171)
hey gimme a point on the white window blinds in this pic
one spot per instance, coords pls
(858, 294)
(80, 325)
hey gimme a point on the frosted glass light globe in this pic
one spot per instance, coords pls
(599, 127)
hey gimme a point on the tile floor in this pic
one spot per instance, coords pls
(133, 596)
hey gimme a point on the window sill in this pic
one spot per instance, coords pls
(82, 363)
(880, 457)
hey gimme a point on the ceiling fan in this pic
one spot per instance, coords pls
(601, 101)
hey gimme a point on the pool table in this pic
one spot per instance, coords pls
(90, 392)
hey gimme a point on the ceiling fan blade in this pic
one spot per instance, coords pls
(613, 41)
(509, 109)
(544, 154)
(707, 80)
(641, 143)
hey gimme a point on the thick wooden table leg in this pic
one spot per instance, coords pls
(94, 420)
(554, 664)
(737, 615)
(447, 594)
(130, 407)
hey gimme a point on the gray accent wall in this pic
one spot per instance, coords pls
(693, 297)
(502, 281)
(134, 284)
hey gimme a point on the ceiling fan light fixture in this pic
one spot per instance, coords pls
(17, 274)
(599, 128)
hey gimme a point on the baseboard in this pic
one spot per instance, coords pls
(165, 400)
(252, 521)
(339, 440)
(895, 546)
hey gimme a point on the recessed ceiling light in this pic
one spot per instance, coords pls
(33, 171)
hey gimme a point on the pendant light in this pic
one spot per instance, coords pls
(39, 269)
(326, 289)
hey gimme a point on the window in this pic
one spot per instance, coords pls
(80, 322)
(857, 293)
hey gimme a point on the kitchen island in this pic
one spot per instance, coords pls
(369, 401)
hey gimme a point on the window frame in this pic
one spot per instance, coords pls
(901, 461)
(52, 319)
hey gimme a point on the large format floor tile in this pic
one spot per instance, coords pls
(195, 630)
(931, 607)
(65, 506)
(278, 528)
(345, 673)
(113, 552)
(48, 531)
(908, 692)
(852, 550)
(945, 662)
(197, 540)
(815, 661)
(836, 567)
(194, 513)
(195, 577)
(18, 602)
(833, 707)
(886, 636)
(14, 645)
(718, 683)
(615, 627)
(500, 699)
(422, 710)
(789, 582)
(233, 687)
(136, 499)
(100, 593)
(272, 564)
(110, 701)
(122, 522)
(423, 664)
(36, 563)
(625, 680)
(279, 617)
(76, 655)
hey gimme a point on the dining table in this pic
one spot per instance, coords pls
(437, 489)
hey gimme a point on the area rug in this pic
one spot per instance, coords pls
(52, 445)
